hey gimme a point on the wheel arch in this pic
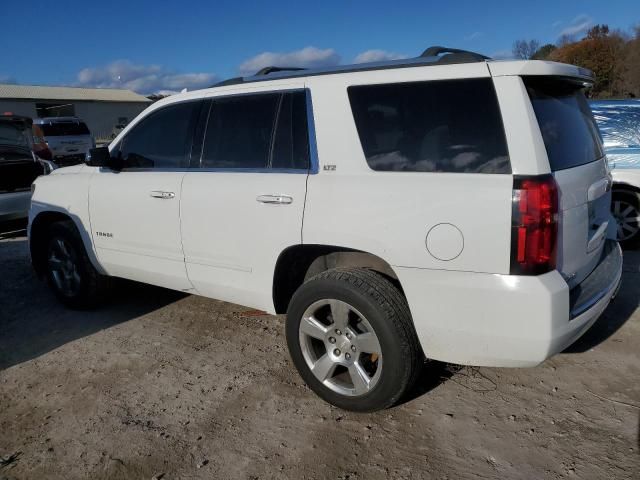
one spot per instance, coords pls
(624, 187)
(38, 230)
(298, 263)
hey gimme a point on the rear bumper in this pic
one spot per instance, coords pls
(504, 320)
(14, 205)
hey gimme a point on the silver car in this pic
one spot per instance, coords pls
(68, 138)
(619, 123)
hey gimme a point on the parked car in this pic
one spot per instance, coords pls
(619, 122)
(19, 167)
(446, 206)
(68, 139)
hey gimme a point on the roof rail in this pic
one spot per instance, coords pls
(261, 72)
(228, 81)
(431, 56)
(460, 56)
(268, 70)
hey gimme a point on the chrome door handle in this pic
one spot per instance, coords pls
(275, 199)
(159, 194)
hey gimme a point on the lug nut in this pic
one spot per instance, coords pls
(347, 356)
(348, 335)
(336, 352)
(338, 332)
(353, 348)
(332, 340)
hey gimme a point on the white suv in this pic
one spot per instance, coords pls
(447, 207)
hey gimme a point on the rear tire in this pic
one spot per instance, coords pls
(625, 207)
(352, 339)
(69, 272)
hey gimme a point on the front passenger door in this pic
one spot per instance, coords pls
(135, 212)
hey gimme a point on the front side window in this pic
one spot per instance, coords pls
(261, 131)
(435, 126)
(161, 140)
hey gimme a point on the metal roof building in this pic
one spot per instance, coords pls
(101, 108)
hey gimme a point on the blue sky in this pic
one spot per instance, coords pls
(165, 46)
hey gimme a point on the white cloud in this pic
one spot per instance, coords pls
(142, 78)
(580, 24)
(307, 57)
(377, 56)
(474, 36)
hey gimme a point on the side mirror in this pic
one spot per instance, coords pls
(98, 157)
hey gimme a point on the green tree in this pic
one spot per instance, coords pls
(600, 51)
(629, 66)
(543, 52)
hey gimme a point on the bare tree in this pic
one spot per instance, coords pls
(525, 49)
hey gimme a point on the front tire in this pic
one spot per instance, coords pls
(69, 272)
(351, 337)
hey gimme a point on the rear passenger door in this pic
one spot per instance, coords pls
(243, 200)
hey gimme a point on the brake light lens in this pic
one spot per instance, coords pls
(534, 225)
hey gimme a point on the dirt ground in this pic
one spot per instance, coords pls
(159, 384)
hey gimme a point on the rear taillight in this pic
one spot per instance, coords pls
(534, 221)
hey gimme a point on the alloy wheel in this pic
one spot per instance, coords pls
(340, 347)
(63, 265)
(627, 218)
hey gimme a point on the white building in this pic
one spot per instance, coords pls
(100, 108)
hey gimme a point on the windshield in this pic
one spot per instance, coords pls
(568, 129)
(64, 129)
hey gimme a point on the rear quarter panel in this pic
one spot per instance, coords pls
(390, 214)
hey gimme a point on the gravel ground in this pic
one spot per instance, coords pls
(159, 384)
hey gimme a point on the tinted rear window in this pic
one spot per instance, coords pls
(63, 129)
(436, 126)
(261, 131)
(567, 125)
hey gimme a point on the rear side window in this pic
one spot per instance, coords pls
(257, 132)
(435, 126)
(567, 125)
(239, 132)
(162, 139)
(64, 129)
(291, 142)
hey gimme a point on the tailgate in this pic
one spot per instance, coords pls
(577, 161)
(585, 199)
